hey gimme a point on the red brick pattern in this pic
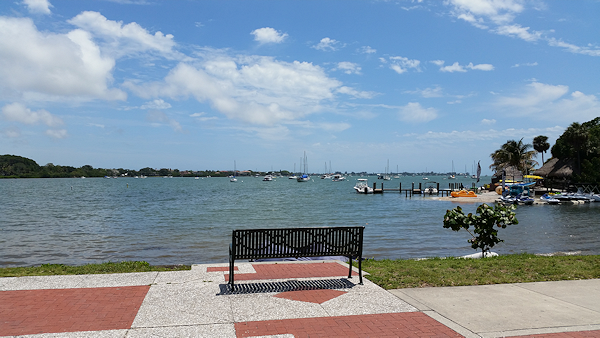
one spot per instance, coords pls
(311, 296)
(407, 324)
(282, 271)
(578, 334)
(220, 268)
(69, 310)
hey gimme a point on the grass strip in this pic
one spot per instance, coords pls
(518, 268)
(108, 267)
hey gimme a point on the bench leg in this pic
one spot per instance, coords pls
(231, 268)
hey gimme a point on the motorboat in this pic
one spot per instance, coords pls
(430, 189)
(268, 178)
(547, 198)
(337, 178)
(362, 186)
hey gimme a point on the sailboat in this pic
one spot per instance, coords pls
(453, 174)
(293, 175)
(304, 177)
(387, 177)
(233, 179)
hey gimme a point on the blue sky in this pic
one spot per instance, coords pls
(200, 84)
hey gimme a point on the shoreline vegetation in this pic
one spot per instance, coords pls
(13, 166)
(395, 274)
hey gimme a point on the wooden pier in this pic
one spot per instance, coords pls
(417, 191)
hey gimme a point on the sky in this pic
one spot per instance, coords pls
(201, 85)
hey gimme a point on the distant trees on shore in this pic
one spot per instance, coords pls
(13, 166)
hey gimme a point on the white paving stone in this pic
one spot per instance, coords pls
(43, 282)
(193, 303)
(199, 331)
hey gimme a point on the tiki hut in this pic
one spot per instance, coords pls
(511, 172)
(557, 169)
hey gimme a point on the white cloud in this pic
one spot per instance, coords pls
(38, 6)
(10, 132)
(156, 104)
(157, 118)
(438, 63)
(17, 112)
(415, 113)
(268, 35)
(496, 11)
(519, 32)
(348, 67)
(401, 64)
(43, 65)
(253, 89)
(202, 117)
(488, 122)
(573, 48)
(120, 40)
(529, 64)
(355, 93)
(57, 133)
(327, 44)
(367, 50)
(548, 102)
(456, 67)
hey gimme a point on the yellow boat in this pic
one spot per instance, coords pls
(463, 193)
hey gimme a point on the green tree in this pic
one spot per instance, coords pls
(513, 153)
(541, 145)
(485, 236)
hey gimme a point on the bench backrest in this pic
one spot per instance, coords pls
(297, 242)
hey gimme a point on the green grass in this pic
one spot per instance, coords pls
(520, 268)
(109, 267)
(394, 274)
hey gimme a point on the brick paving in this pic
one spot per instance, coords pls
(69, 310)
(406, 324)
(311, 296)
(282, 271)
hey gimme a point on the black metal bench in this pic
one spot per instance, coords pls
(297, 242)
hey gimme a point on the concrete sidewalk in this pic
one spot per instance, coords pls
(275, 300)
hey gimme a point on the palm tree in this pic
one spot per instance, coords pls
(541, 145)
(514, 153)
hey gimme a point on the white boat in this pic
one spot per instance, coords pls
(430, 189)
(293, 177)
(268, 178)
(233, 179)
(362, 186)
(325, 176)
(338, 178)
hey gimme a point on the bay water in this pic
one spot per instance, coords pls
(187, 221)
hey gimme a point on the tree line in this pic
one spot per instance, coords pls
(579, 144)
(13, 166)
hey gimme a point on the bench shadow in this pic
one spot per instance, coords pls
(291, 285)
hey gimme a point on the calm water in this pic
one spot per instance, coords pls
(183, 220)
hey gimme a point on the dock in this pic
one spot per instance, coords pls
(419, 189)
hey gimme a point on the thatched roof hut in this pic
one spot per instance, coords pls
(512, 173)
(556, 168)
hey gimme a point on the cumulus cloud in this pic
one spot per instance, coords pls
(348, 67)
(124, 39)
(17, 112)
(38, 6)
(456, 67)
(401, 64)
(550, 102)
(268, 35)
(44, 65)
(488, 122)
(252, 89)
(413, 112)
(328, 45)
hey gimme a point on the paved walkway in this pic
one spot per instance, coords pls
(299, 299)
